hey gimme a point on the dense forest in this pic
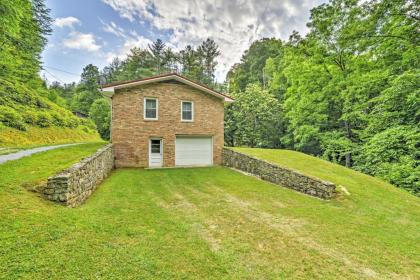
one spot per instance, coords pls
(347, 91)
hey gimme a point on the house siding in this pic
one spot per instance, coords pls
(131, 132)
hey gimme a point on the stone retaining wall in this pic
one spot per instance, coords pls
(279, 175)
(75, 184)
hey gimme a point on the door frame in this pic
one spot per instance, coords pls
(161, 150)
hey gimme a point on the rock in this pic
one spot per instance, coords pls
(75, 184)
(279, 175)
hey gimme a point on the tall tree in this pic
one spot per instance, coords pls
(208, 51)
(87, 91)
(157, 49)
(252, 119)
(24, 26)
(190, 63)
(251, 68)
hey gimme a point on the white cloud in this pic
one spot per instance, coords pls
(81, 41)
(113, 29)
(129, 43)
(66, 21)
(233, 24)
(131, 39)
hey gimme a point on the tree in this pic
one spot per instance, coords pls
(157, 49)
(349, 90)
(24, 26)
(100, 113)
(208, 51)
(138, 64)
(191, 66)
(253, 116)
(87, 91)
(250, 69)
(111, 72)
(90, 77)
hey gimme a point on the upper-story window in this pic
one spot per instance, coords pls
(151, 108)
(187, 111)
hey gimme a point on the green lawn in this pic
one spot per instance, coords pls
(206, 223)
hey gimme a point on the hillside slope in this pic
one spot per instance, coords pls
(214, 223)
(28, 117)
(347, 180)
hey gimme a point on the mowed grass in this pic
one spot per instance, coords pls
(206, 223)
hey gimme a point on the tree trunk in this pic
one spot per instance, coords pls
(348, 160)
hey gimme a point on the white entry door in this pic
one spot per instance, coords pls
(190, 151)
(155, 153)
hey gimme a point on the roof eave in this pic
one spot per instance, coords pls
(110, 91)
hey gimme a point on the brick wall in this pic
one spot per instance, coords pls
(279, 175)
(131, 133)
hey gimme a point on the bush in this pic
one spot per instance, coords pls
(100, 113)
(30, 117)
(71, 122)
(11, 118)
(88, 123)
(44, 119)
(393, 155)
(58, 120)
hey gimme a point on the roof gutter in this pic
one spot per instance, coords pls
(110, 90)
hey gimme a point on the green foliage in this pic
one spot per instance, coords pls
(24, 25)
(208, 51)
(26, 103)
(36, 136)
(393, 155)
(196, 63)
(11, 118)
(100, 113)
(252, 118)
(44, 119)
(251, 67)
(349, 90)
(21, 106)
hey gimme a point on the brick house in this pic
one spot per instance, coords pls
(165, 121)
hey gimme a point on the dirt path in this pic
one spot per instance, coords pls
(28, 152)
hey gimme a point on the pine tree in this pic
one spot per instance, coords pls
(157, 50)
(208, 51)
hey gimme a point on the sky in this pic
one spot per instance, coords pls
(96, 31)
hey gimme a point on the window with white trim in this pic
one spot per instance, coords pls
(187, 111)
(150, 108)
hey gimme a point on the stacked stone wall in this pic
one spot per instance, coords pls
(279, 175)
(74, 185)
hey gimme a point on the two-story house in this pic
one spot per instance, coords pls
(166, 120)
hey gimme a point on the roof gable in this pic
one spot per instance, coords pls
(109, 89)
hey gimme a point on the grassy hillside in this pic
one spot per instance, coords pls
(355, 182)
(206, 223)
(28, 118)
(36, 136)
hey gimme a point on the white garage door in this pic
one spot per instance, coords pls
(193, 151)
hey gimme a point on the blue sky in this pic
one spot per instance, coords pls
(96, 31)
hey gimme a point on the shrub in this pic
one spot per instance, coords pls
(393, 155)
(30, 117)
(71, 122)
(58, 120)
(44, 119)
(11, 118)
